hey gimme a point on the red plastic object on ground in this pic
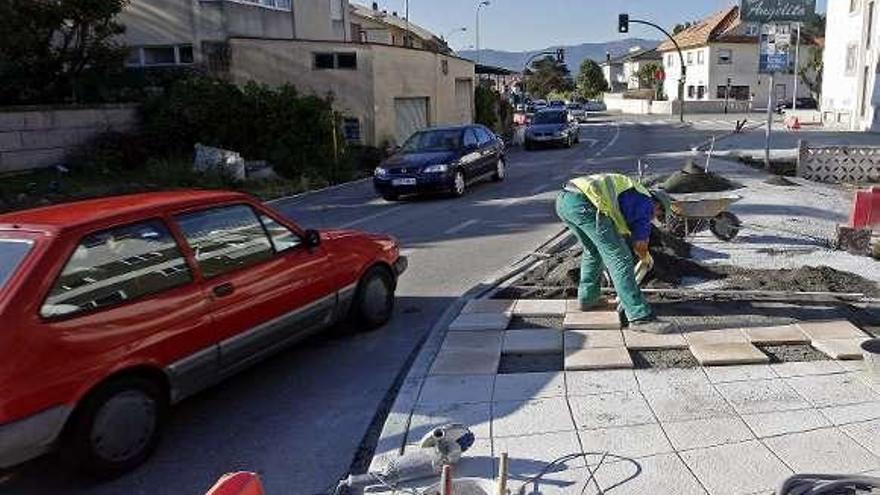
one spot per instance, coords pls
(793, 123)
(866, 209)
(238, 484)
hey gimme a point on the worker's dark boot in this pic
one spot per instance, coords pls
(653, 325)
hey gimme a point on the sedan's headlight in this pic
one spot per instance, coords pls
(560, 133)
(380, 172)
(436, 169)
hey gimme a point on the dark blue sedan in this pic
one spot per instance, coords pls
(441, 160)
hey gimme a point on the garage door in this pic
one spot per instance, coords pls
(412, 115)
(464, 97)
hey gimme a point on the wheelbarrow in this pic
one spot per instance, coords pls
(693, 213)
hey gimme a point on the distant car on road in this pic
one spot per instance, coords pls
(595, 106)
(115, 308)
(557, 104)
(442, 160)
(577, 112)
(802, 104)
(551, 127)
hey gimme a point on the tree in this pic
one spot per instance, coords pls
(811, 72)
(647, 75)
(50, 47)
(681, 27)
(547, 75)
(591, 81)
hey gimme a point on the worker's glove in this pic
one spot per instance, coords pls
(641, 250)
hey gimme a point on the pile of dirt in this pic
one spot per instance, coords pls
(779, 180)
(693, 179)
(803, 279)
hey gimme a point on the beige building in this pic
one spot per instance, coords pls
(384, 90)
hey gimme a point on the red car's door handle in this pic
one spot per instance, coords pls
(224, 290)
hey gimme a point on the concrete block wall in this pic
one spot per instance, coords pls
(35, 137)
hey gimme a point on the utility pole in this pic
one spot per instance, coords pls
(484, 3)
(797, 63)
(769, 130)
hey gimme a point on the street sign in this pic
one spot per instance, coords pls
(766, 11)
(775, 48)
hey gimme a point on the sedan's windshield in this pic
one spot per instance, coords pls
(549, 118)
(12, 252)
(427, 141)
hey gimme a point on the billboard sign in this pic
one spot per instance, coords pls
(775, 48)
(766, 11)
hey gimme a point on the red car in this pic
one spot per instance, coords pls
(113, 309)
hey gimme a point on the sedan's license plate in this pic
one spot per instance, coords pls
(403, 182)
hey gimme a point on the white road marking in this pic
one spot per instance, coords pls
(590, 142)
(537, 190)
(370, 217)
(610, 143)
(463, 225)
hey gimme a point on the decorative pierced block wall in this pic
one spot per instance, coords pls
(839, 164)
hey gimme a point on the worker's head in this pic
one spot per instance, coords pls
(662, 203)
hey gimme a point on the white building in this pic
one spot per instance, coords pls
(850, 93)
(722, 52)
(621, 73)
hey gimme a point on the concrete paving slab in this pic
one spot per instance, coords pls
(593, 320)
(477, 417)
(486, 340)
(641, 341)
(832, 390)
(841, 349)
(532, 341)
(852, 413)
(513, 418)
(466, 362)
(475, 306)
(726, 374)
(445, 389)
(762, 396)
(574, 306)
(540, 307)
(522, 386)
(592, 339)
(806, 368)
(660, 474)
(683, 404)
(735, 469)
(836, 329)
(822, 451)
(651, 379)
(866, 434)
(626, 441)
(723, 336)
(708, 432)
(783, 334)
(610, 410)
(599, 382)
(529, 455)
(476, 463)
(853, 365)
(784, 422)
(480, 321)
(598, 359)
(727, 354)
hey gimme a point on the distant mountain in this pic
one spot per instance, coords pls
(574, 55)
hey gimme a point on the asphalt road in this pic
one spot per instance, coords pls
(299, 418)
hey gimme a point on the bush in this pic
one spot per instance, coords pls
(110, 151)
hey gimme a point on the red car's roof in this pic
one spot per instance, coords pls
(64, 215)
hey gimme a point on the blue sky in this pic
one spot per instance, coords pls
(516, 25)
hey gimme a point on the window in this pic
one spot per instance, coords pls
(725, 56)
(159, 55)
(12, 253)
(852, 52)
(336, 10)
(701, 60)
(690, 58)
(721, 93)
(274, 4)
(470, 139)
(701, 92)
(351, 129)
(853, 6)
(752, 30)
(283, 239)
(185, 54)
(225, 239)
(869, 31)
(116, 266)
(326, 61)
(484, 137)
(670, 60)
(691, 92)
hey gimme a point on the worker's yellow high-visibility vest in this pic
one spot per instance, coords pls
(603, 189)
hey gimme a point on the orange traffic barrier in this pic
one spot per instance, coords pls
(238, 484)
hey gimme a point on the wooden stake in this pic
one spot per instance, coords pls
(503, 469)
(446, 480)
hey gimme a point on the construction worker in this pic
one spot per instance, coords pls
(604, 211)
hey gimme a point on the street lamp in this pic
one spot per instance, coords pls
(484, 3)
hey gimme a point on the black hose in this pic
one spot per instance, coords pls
(827, 484)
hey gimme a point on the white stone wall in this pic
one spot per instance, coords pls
(38, 138)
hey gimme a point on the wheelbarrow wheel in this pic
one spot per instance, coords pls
(725, 226)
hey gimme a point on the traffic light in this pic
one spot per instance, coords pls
(560, 55)
(623, 23)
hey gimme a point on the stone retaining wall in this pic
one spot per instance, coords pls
(37, 137)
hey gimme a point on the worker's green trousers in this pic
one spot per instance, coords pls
(603, 246)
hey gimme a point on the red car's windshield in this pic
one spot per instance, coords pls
(12, 253)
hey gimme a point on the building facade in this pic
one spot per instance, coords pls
(850, 92)
(721, 56)
(385, 91)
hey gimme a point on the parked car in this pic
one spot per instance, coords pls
(551, 127)
(577, 112)
(442, 160)
(595, 106)
(114, 309)
(556, 104)
(802, 104)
